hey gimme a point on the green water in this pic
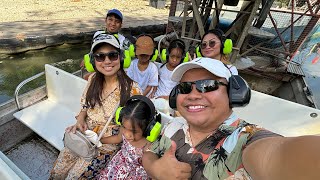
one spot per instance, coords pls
(16, 68)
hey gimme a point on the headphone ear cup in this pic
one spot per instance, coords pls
(132, 51)
(153, 129)
(239, 91)
(173, 97)
(117, 116)
(125, 58)
(227, 46)
(186, 58)
(89, 63)
(155, 54)
(198, 52)
(164, 55)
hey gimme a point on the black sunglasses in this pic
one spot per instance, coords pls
(112, 56)
(202, 86)
(211, 44)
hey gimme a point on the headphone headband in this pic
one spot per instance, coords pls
(153, 128)
(145, 100)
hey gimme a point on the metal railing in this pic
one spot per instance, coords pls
(16, 92)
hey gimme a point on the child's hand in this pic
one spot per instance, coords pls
(192, 58)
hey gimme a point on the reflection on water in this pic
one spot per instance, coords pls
(16, 68)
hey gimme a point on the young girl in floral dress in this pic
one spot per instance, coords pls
(135, 118)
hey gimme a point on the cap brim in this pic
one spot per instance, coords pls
(181, 69)
(114, 44)
(140, 51)
(215, 67)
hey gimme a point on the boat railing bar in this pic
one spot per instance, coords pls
(16, 92)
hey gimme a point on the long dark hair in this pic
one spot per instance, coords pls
(138, 112)
(95, 89)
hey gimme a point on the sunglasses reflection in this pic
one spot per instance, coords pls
(112, 56)
(202, 86)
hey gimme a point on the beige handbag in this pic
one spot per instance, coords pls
(80, 145)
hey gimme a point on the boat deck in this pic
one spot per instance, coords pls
(34, 156)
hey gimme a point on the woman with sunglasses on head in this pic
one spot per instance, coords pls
(107, 87)
(212, 46)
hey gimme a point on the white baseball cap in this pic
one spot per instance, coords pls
(214, 66)
(105, 38)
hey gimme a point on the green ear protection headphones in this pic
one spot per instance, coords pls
(132, 49)
(125, 59)
(177, 43)
(153, 128)
(226, 44)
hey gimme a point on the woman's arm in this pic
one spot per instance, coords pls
(283, 158)
(81, 123)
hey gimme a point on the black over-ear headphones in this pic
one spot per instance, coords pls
(239, 93)
(132, 48)
(154, 122)
(125, 59)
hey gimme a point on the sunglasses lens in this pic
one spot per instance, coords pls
(203, 45)
(185, 87)
(204, 86)
(212, 44)
(99, 57)
(113, 56)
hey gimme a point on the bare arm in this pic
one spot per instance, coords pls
(115, 139)
(283, 158)
(147, 90)
(81, 123)
(154, 89)
(148, 160)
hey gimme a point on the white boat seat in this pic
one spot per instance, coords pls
(49, 118)
(278, 115)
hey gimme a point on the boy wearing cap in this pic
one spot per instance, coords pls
(141, 70)
(113, 22)
(213, 143)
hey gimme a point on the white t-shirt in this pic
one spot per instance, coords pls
(148, 77)
(165, 82)
(233, 69)
(121, 38)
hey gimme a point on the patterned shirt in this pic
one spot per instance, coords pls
(219, 156)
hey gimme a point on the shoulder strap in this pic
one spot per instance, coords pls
(108, 122)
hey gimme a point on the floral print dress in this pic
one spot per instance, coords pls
(126, 164)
